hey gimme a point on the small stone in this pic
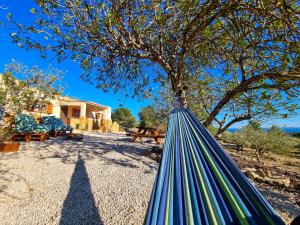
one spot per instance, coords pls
(260, 180)
(267, 172)
(250, 169)
(131, 209)
(260, 173)
(252, 175)
(286, 182)
(155, 157)
(267, 180)
(156, 149)
(295, 184)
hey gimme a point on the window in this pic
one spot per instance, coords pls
(76, 113)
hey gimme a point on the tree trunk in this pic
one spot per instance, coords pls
(256, 154)
(180, 97)
(179, 90)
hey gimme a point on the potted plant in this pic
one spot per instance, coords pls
(6, 143)
(9, 146)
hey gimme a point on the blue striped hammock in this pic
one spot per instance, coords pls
(198, 183)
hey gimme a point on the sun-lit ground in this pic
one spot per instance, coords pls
(104, 179)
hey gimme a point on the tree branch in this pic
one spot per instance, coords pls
(293, 75)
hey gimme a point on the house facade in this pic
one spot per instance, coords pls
(83, 115)
(80, 115)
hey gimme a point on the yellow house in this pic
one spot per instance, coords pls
(83, 115)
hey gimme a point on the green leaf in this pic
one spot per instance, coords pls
(33, 10)
(9, 16)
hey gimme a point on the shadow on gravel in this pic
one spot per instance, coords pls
(79, 206)
(94, 147)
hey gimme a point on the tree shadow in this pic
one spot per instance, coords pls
(79, 206)
(94, 147)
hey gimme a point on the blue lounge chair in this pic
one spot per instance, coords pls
(56, 125)
(26, 124)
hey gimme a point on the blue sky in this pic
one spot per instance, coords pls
(75, 87)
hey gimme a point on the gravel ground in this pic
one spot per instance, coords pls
(103, 180)
(283, 200)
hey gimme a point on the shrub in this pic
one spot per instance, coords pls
(124, 117)
(274, 140)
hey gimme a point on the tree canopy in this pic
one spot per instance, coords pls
(226, 101)
(124, 117)
(245, 51)
(150, 117)
(32, 91)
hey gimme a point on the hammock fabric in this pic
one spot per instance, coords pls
(198, 183)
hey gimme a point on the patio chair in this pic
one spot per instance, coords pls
(26, 128)
(57, 126)
(149, 133)
(129, 132)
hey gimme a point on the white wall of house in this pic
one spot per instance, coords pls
(107, 113)
(83, 109)
(56, 108)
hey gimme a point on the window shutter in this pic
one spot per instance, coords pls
(49, 108)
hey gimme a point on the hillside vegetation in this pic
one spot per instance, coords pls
(274, 140)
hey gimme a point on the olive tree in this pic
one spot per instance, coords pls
(27, 88)
(253, 136)
(130, 44)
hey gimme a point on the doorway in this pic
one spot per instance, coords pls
(64, 114)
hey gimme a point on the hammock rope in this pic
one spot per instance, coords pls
(199, 184)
